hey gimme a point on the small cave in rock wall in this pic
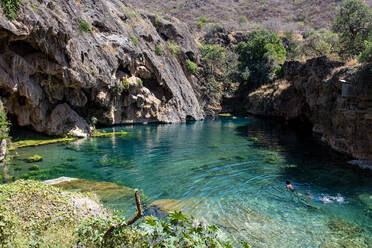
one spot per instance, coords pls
(190, 118)
(163, 93)
(122, 71)
(23, 48)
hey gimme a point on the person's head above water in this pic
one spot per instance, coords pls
(288, 182)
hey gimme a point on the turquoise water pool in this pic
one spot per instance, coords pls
(230, 172)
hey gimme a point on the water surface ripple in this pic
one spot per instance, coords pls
(231, 172)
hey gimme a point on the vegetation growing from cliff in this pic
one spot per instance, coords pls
(173, 47)
(84, 26)
(354, 25)
(260, 57)
(10, 8)
(32, 214)
(191, 67)
(4, 125)
(134, 40)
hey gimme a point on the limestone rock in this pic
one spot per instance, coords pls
(108, 193)
(312, 92)
(64, 120)
(46, 62)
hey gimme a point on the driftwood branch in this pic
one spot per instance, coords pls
(131, 221)
(139, 210)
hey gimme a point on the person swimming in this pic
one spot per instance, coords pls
(289, 186)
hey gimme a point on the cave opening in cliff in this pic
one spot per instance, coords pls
(162, 92)
(122, 71)
(23, 48)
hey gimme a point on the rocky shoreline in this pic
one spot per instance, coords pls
(336, 100)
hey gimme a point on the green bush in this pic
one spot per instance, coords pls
(158, 50)
(176, 230)
(319, 43)
(134, 40)
(125, 84)
(157, 23)
(191, 67)
(213, 55)
(173, 47)
(84, 26)
(366, 55)
(353, 24)
(202, 21)
(140, 83)
(10, 8)
(260, 57)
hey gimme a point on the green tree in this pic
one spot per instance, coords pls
(215, 64)
(319, 43)
(260, 57)
(353, 24)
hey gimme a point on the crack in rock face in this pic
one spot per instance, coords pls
(55, 76)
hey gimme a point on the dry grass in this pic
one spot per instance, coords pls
(352, 62)
(244, 15)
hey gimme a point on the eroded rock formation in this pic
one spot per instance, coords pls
(335, 99)
(56, 74)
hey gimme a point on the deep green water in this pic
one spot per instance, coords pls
(224, 177)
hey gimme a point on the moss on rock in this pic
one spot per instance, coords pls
(39, 142)
(35, 158)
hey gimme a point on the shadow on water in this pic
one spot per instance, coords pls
(311, 161)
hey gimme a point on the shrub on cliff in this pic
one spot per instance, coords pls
(10, 8)
(260, 57)
(353, 24)
(191, 67)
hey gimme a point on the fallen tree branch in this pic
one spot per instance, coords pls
(139, 210)
(131, 221)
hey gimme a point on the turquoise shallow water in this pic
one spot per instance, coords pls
(223, 176)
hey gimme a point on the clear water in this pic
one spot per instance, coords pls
(222, 176)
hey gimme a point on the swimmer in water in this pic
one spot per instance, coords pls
(289, 186)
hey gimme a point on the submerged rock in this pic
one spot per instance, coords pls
(348, 235)
(108, 193)
(55, 75)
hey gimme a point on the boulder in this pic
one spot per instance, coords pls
(65, 121)
(109, 194)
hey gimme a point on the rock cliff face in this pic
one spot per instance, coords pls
(65, 62)
(335, 99)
